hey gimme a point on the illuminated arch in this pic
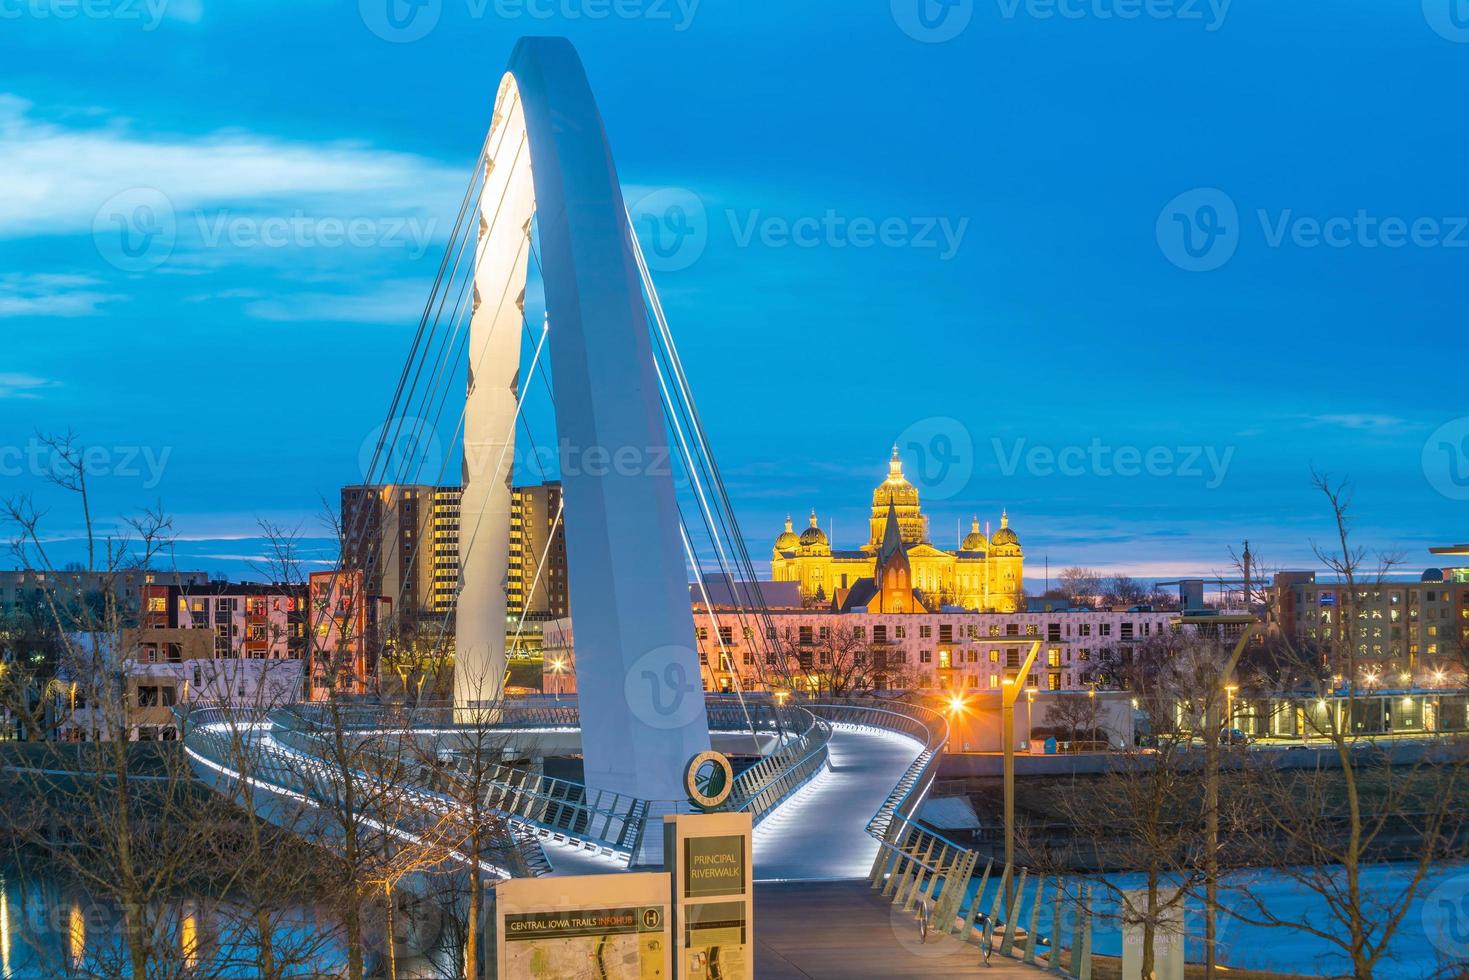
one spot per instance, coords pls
(632, 621)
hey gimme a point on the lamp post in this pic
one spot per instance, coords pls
(1211, 801)
(1009, 691)
(557, 667)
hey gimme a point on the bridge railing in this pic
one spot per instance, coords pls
(928, 727)
(562, 808)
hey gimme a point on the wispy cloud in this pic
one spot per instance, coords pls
(50, 295)
(399, 301)
(23, 385)
(57, 176)
(1360, 421)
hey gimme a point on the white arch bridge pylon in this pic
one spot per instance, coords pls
(547, 160)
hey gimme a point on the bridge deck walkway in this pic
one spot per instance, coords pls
(843, 929)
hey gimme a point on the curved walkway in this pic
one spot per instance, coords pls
(820, 834)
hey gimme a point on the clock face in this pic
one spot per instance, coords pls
(708, 779)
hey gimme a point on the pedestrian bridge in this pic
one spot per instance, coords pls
(825, 782)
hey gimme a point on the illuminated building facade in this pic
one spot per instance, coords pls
(984, 574)
(407, 539)
(954, 651)
(1404, 632)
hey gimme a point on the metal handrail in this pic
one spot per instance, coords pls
(615, 821)
(922, 723)
(561, 807)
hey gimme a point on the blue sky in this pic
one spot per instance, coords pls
(1225, 241)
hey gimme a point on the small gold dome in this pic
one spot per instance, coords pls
(813, 536)
(1006, 537)
(787, 540)
(974, 540)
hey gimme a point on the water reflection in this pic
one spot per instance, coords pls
(4, 930)
(50, 927)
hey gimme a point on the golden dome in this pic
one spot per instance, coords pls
(895, 490)
(1006, 537)
(813, 537)
(787, 540)
(975, 539)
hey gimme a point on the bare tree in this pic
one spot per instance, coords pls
(1123, 590)
(1076, 712)
(1142, 813)
(1082, 586)
(1332, 829)
(131, 816)
(839, 662)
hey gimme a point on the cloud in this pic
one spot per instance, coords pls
(23, 385)
(1360, 421)
(58, 176)
(397, 302)
(50, 295)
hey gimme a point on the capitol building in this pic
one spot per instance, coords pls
(898, 569)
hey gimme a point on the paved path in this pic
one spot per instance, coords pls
(821, 832)
(843, 929)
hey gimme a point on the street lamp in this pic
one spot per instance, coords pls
(1008, 693)
(558, 666)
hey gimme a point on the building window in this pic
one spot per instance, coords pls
(925, 656)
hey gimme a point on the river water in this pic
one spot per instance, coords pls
(51, 928)
(1433, 930)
